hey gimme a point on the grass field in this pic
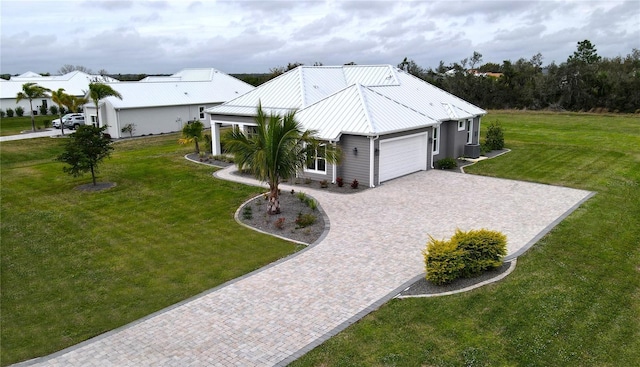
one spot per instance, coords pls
(14, 125)
(574, 298)
(76, 264)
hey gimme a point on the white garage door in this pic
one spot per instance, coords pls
(403, 155)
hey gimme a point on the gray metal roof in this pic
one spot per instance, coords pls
(356, 99)
(74, 83)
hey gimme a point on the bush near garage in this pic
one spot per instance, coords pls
(464, 255)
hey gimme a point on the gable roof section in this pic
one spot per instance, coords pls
(360, 110)
(390, 100)
(217, 87)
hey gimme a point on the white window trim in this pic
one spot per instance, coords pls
(435, 140)
(462, 125)
(316, 163)
(469, 129)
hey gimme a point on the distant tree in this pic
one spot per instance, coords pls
(129, 128)
(475, 59)
(586, 54)
(84, 151)
(98, 91)
(31, 91)
(67, 68)
(412, 68)
(192, 133)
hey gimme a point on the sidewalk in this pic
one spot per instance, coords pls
(38, 134)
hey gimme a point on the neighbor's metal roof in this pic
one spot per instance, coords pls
(74, 83)
(387, 100)
(218, 87)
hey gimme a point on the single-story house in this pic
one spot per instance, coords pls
(158, 105)
(387, 122)
(75, 83)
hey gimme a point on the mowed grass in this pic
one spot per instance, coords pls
(574, 298)
(15, 125)
(76, 264)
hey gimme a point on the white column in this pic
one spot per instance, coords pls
(215, 138)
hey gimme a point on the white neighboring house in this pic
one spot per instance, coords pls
(75, 83)
(157, 105)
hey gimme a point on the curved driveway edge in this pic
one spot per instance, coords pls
(371, 253)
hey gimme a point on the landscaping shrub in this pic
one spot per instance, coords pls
(247, 213)
(2, 113)
(443, 261)
(53, 109)
(9, 112)
(43, 110)
(46, 124)
(312, 204)
(324, 184)
(339, 181)
(305, 220)
(301, 196)
(466, 254)
(19, 111)
(279, 223)
(495, 137)
(482, 250)
(446, 163)
(354, 184)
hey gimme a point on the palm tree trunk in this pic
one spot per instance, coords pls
(197, 146)
(61, 124)
(274, 200)
(33, 119)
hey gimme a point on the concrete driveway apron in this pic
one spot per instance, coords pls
(372, 251)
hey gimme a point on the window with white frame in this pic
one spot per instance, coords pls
(435, 140)
(93, 120)
(201, 111)
(316, 161)
(461, 125)
(251, 131)
(469, 131)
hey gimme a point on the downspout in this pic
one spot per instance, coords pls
(334, 169)
(372, 159)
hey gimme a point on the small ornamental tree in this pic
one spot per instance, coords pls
(85, 149)
(495, 137)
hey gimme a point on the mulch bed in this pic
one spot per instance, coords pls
(99, 186)
(290, 207)
(423, 286)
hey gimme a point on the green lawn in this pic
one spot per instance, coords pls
(77, 264)
(574, 298)
(14, 125)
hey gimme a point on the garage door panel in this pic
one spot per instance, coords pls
(401, 156)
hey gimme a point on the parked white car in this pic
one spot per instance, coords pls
(70, 121)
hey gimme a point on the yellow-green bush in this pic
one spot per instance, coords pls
(465, 255)
(443, 260)
(482, 250)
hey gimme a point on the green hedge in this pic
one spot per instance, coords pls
(466, 254)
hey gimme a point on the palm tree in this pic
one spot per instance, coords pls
(192, 132)
(98, 91)
(31, 91)
(73, 103)
(277, 150)
(59, 97)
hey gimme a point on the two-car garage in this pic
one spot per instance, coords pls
(402, 155)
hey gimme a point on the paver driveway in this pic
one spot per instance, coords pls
(371, 252)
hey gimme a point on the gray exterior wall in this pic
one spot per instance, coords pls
(354, 166)
(452, 141)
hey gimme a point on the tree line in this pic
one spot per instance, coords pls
(584, 82)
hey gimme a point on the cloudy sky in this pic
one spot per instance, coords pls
(254, 36)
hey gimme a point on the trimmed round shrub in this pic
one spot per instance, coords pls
(9, 112)
(446, 163)
(19, 111)
(443, 260)
(482, 250)
(53, 109)
(494, 139)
